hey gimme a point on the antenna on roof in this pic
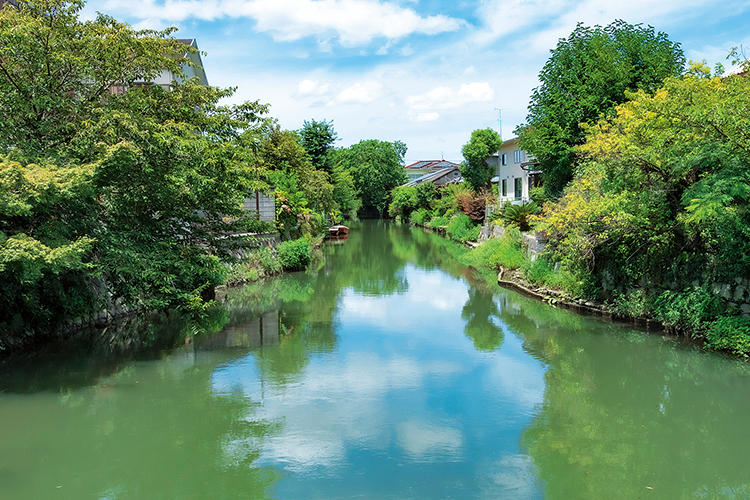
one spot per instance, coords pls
(499, 122)
(442, 158)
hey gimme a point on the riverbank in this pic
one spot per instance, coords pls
(519, 263)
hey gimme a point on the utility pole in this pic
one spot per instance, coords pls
(499, 122)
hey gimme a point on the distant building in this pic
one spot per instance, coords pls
(166, 77)
(516, 172)
(424, 167)
(12, 3)
(442, 177)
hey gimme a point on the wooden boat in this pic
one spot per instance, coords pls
(338, 230)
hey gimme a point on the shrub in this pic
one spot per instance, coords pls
(295, 254)
(495, 253)
(688, 309)
(461, 229)
(543, 272)
(730, 334)
(518, 215)
(421, 217)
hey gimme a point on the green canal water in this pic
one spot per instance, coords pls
(390, 372)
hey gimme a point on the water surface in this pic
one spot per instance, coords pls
(388, 372)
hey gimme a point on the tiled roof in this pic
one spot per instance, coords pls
(431, 164)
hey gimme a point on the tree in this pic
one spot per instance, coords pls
(376, 167)
(137, 194)
(55, 71)
(477, 173)
(586, 76)
(663, 199)
(318, 138)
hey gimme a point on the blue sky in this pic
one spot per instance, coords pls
(426, 72)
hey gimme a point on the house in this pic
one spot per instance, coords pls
(423, 167)
(12, 3)
(166, 77)
(442, 177)
(516, 174)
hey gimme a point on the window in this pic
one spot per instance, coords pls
(504, 159)
(518, 187)
(517, 156)
(505, 187)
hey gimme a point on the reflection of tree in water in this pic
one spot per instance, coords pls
(152, 430)
(479, 311)
(624, 411)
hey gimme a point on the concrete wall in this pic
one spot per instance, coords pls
(264, 204)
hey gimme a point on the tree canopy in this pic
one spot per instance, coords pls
(318, 138)
(661, 203)
(586, 76)
(135, 195)
(376, 168)
(477, 173)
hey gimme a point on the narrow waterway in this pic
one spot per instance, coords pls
(389, 372)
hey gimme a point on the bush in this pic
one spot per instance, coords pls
(730, 334)
(500, 252)
(461, 229)
(689, 309)
(295, 254)
(518, 215)
(421, 217)
(542, 272)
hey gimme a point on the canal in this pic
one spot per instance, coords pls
(390, 371)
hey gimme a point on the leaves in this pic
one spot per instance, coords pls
(476, 172)
(587, 75)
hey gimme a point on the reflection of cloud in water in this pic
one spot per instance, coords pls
(437, 291)
(511, 477)
(524, 382)
(427, 442)
(302, 450)
(334, 407)
(366, 307)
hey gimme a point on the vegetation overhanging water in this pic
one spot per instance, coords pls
(391, 371)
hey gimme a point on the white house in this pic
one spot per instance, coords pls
(166, 77)
(515, 172)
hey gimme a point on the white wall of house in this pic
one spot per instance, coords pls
(166, 77)
(514, 182)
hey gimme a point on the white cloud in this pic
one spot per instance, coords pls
(427, 117)
(311, 88)
(446, 98)
(382, 51)
(355, 22)
(361, 92)
(470, 70)
(407, 50)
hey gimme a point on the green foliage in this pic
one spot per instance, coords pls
(688, 309)
(731, 334)
(294, 254)
(318, 138)
(476, 172)
(495, 253)
(543, 272)
(461, 229)
(134, 197)
(344, 191)
(519, 215)
(376, 168)
(406, 199)
(664, 194)
(441, 220)
(56, 70)
(420, 217)
(587, 75)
